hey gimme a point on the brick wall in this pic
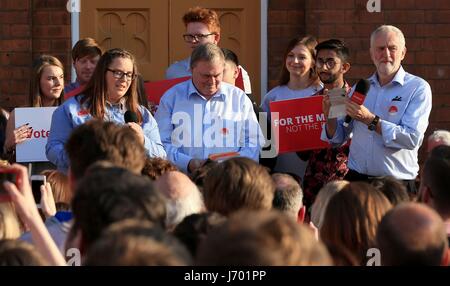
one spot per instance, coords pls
(29, 28)
(426, 25)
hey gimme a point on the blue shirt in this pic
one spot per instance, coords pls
(71, 86)
(71, 114)
(403, 106)
(193, 127)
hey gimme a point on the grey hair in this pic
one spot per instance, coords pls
(440, 136)
(386, 29)
(207, 52)
(288, 194)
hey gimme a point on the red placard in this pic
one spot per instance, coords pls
(156, 89)
(299, 124)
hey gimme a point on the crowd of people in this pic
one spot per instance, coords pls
(187, 184)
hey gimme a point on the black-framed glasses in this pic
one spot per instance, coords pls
(196, 37)
(117, 74)
(329, 63)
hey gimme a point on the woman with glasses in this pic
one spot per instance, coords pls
(111, 91)
(298, 79)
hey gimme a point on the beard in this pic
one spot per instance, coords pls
(330, 78)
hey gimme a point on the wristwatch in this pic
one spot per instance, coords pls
(374, 123)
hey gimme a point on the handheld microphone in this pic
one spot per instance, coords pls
(130, 116)
(361, 90)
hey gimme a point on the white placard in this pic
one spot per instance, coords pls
(39, 119)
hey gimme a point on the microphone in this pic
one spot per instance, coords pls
(361, 90)
(130, 116)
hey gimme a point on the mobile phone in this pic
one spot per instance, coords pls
(6, 175)
(36, 182)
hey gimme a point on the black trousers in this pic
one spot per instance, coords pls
(353, 176)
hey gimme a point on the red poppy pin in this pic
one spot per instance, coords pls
(393, 110)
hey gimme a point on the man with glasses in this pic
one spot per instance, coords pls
(329, 164)
(389, 127)
(206, 117)
(202, 27)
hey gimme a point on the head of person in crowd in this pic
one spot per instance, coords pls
(412, 234)
(113, 81)
(238, 183)
(10, 225)
(299, 61)
(137, 243)
(438, 137)
(182, 197)
(262, 238)
(60, 188)
(201, 173)
(435, 183)
(231, 70)
(332, 62)
(288, 196)
(207, 65)
(156, 167)
(387, 50)
(392, 188)
(98, 140)
(110, 194)
(202, 27)
(47, 82)
(196, 227)
(320, 204)
(352, 217)
(85, 55)
(19, 253)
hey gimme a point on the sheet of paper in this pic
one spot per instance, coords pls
(338, 100)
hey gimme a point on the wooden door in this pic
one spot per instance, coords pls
(140, 26)
(152, 30)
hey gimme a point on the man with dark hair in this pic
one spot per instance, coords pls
(412, 235)
(85, 55)
(205, 116)
(330, 164)
(108, 195)
(435, 183)
(96, 140)
(288, 196)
